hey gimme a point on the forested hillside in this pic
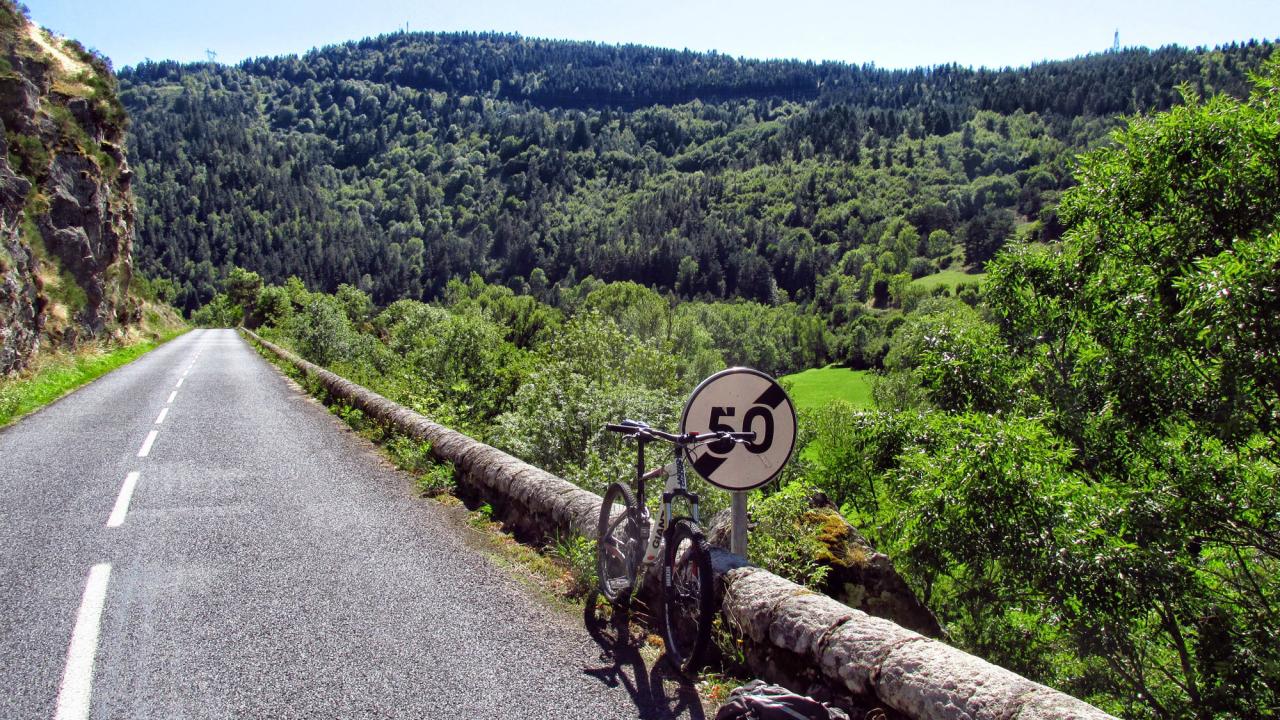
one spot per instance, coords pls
(397, 163)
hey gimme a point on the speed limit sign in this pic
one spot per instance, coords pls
(741, 400)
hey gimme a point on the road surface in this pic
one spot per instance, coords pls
(191, 537)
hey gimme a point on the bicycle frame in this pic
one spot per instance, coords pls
(676, 486)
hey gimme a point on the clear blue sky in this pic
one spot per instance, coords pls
(889, 33)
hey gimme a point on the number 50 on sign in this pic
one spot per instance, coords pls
(741, 399)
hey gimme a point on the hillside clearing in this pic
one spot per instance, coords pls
(816, 387)
(950, 278)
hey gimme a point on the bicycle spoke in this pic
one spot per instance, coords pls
(615, 545)
(613, 525)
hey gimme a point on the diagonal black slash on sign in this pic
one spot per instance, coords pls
(772, 397)
(707, 464)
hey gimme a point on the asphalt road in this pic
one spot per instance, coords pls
(269, 564)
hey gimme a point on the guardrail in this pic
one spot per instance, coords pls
(796, 635)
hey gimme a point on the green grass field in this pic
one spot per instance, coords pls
(816, 387)
(948, 277)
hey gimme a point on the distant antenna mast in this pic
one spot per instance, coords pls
(211, 55)
(1115, 44)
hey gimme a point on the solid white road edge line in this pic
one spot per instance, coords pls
(77, 679)
(146, 444)
(163, 412)
(122, 502)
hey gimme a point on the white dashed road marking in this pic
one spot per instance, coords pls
(77, 679)
(122, 502)
(146, 444)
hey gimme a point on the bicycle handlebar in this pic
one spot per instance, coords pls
(641, 431)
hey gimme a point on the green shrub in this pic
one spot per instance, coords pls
(481, 516)
(439, 480)
(220, 312)
(273, 307)
(786, 540)
(579, 556)
(162, 290)
(322, 331)
(29, 156)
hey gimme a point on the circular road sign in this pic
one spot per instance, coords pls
(740, 400)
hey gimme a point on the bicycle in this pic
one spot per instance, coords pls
(687, 593)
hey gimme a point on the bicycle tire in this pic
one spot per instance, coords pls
(618, 544)
(687, 596)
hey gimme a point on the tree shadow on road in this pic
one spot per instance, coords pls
(659, 692)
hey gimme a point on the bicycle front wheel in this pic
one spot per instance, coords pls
(617, 544)
(687, 606)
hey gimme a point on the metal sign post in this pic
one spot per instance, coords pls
(738, 537)
(741, 400)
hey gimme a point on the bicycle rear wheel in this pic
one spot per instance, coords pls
(618, 544)
(687, 608)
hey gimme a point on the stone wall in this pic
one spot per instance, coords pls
(795, 635)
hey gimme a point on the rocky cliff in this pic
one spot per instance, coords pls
(66, 210)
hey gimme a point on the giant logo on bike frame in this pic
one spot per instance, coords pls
(741, 400)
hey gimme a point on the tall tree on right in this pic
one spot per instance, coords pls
(1151, 335)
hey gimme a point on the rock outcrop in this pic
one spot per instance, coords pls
(857, 574)
(66, 209)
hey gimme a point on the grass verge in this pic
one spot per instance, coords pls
(58, 373)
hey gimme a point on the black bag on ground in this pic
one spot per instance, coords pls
(758, 701)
